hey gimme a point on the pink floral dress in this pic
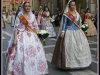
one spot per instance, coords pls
(28, 57)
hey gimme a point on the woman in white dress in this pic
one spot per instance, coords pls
(9, 17)
(4, 17)
(25, 52)
(3, 24)
(46, 24)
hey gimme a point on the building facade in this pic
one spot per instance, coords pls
(60, 5)
(5, 5)
(80, 4)
(52, 4)
(8, 5)
(35, 5)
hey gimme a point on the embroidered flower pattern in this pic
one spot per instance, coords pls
(38, 48)
(12, 57)
(18, 67)
(16, 27)
(27, 29)
(41, 66)
(21, 38)
(34, 25)
(12, 72)
(31, 51)
(28, 34)
(36, 39)
(11, 50)
(32, 64)
(21, 48)
(25, 58)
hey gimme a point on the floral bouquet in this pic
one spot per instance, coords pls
(52, 21)
(42, 34)
(84, 27)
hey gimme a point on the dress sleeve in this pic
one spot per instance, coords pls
(64, 23)
(79, 21)
(17, 23)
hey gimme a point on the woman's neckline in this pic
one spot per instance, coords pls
(26, 18)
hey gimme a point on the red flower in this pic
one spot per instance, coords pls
(6, 54)
(12, 57)
(26, 29)
(12, 72)
(11, 49)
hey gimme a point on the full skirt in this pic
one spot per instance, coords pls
(91, 31)
(28, 57)
(72, 51)
(47, 25)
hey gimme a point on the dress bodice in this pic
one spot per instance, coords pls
(21, 27)
(68, 24)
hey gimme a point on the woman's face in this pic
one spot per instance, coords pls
(88, 11)
(27, 7)
(46, 9)
(72, 6)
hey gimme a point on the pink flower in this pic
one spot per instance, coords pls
(41, 66)
(38, 48)
(25, 58)
(21, 48)
(24, 73)
(31, 51)
(32, 63)
(11, 50)
(36, 38)
(46, 70)
(12, 72)
(21, 38)
(6, 54)
(18, 67)
(12, 57)
(28, 34)
(27, 29)
(16, 27)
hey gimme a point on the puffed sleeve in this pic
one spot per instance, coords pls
(64, 23)
(17, 23)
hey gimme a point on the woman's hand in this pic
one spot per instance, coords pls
(14, 43)
(62, 34)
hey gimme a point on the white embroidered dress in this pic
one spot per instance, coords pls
(47, 25)
(28, 58)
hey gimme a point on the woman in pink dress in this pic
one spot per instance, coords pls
(91, 31)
